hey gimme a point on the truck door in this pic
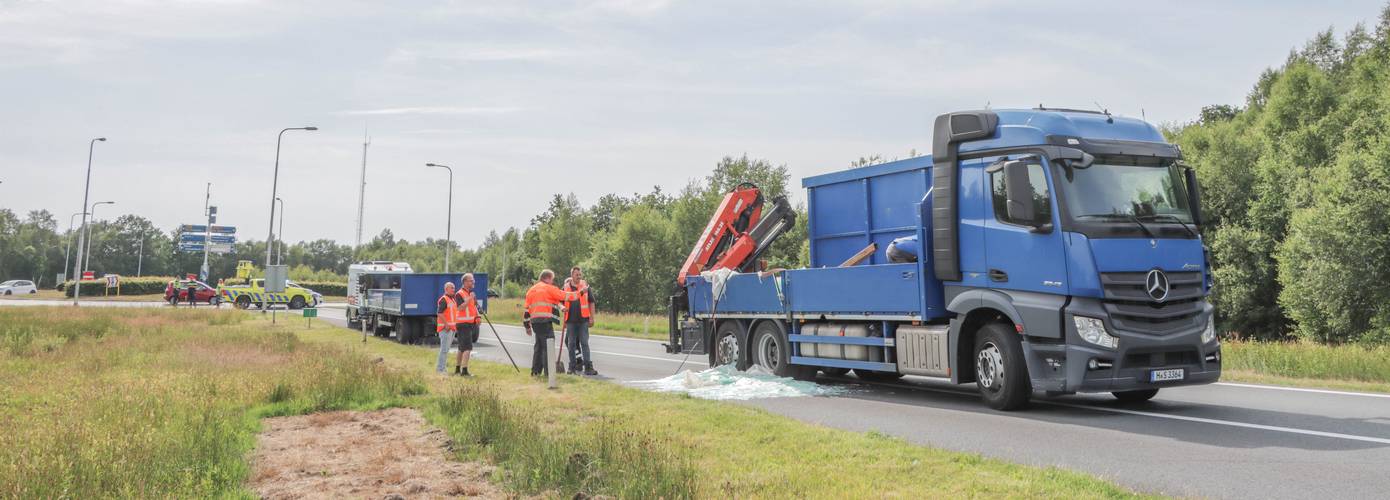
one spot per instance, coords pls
(1024, 255)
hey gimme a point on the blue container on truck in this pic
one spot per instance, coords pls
(1043, 250)
(405, 303)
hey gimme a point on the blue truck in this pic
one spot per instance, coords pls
(404, 303)
(1039, 250)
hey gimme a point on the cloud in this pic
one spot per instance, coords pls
(434, 110)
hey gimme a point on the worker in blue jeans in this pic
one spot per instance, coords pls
(445, 324)
(579, 317)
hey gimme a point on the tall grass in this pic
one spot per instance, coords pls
(159, 403)
(1307, 360)
(599, 458)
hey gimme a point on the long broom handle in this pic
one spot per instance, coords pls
(500, 342)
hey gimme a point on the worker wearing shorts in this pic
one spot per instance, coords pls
(467, 326)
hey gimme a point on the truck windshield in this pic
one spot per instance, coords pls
(1122, 189)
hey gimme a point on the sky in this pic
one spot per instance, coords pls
(528, 99)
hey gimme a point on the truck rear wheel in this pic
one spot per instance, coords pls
(726, 349)
(1138, 396)
(773, 352)
(1000, 372)
(242, 302)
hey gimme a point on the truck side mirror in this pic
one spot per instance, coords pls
(1194, 195)
(1019, 192)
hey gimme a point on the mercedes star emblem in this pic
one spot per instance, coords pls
(1156, 284)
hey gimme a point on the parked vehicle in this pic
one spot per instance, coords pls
(316, 298)
(1035, 250)
(254, 294)
(404, 304)
(177, 291)
(16, 287)
(383, 277)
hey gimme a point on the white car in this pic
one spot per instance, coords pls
(15, 287)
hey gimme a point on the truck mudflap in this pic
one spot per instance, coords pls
(1140, 361)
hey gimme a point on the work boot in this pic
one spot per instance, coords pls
(458, 370)
(465, 373)
(589, 369)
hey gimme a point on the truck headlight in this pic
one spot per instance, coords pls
(1093, 330)
(1209, 333)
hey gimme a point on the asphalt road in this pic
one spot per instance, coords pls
(1218, 441)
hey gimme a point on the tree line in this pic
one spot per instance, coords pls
(631, 246)
(1296, 193)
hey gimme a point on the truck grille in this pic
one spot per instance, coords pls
(1131, 309)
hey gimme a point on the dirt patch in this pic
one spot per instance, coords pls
(381, 454)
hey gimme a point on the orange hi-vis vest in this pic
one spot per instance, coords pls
(468, 308)
(584, 310)
(543, 299)
(447, 318)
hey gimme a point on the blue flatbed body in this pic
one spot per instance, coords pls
(849, 210)
(418, 292)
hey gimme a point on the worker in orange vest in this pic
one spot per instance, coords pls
(579, 317)
(445, 324)
(543, 302)
(467, 324)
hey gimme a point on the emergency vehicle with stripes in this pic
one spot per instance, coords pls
(252, 295)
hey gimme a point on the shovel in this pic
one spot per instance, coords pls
(560, 349)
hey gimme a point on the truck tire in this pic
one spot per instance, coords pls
(297, 302)
(242, 302)
(773, 352)
(727, 346)
(1138, 396)
(405, 332)
(1001, 374)
(352, 321)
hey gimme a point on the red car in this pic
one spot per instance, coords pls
(177, 291)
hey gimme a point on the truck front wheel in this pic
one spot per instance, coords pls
(1000, 371)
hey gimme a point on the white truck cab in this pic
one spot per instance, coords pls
(356, 289)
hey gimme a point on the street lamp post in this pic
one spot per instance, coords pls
(140, 256)
(280, 235)
(87, 264)
(67, 253)
(274, 188)
(86, 190)
(449, 225)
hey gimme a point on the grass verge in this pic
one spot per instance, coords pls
(599, 438)
(160, 402)
(1301, 364)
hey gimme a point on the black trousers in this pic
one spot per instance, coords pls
(544, 333)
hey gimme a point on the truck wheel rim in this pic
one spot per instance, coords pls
(989, 367)
(768, 352)
(727, 350)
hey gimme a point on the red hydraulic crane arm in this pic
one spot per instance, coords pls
(740, 210)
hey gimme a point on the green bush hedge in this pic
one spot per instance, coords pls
(129, 286)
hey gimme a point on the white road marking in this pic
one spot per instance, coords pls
(1300, 389)
(1229, 423)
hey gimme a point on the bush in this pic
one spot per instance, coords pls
(129, 286)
